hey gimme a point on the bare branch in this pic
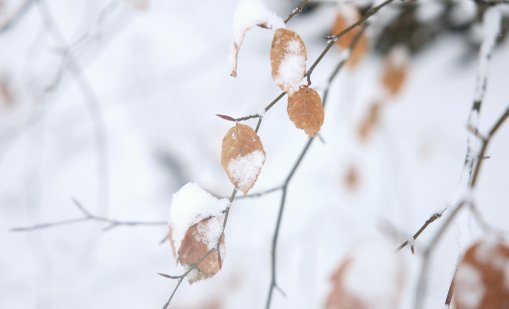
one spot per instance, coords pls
(21, 10)
(92, 103)
(296, 11)
(88, 217)
(431, 219)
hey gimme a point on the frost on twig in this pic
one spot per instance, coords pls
(491, 28)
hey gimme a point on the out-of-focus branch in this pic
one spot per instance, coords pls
(476, 149)
(92, 103)
(88, 217)
(17, 15)
(426, 259)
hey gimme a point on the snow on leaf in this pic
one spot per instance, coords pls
(346, 16)
(288, 60)
(306, 110)
(242, 156)
(199, 247)
(248, 14)
(482, 277)
(395, 70)
(192, 215)
(371, 276)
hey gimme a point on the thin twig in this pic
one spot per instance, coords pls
(296, 11)
(21, 10)
(431, 219)
(261, 193)
(88, 217)
(334, 38)
(450, 292)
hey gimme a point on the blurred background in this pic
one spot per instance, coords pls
(113, 103)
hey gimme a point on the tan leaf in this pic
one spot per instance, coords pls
(352, 178)
(242, 156)
(346, 16)
(140, 5)
(370, 121)
(306, 110)
(6, 92)
(196, 245)
(288, 60)
(395, 71)
(361, 282)
(482, 279)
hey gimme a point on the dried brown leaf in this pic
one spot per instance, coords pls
(225, 117)
(370, 121)
(483, 275)
(288, 57)
(6, 91)
(352, 178)
(306, 110)
(395, 72)
(345, 17)
(194, 247)
(358, 281)
(242, 156)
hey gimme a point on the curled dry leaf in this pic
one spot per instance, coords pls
(199, 247)
(346, 16)
(482, 279)
(369, 277)
(249, 14)
(242, 156)
(288, 57)
(306, 110)
(395, 70)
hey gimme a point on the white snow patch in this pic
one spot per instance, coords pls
(463, 11)
(349, 12)
(429, 10)
(210, 231)
(373, 275)
(245, 169)
(190, 205)
(469, 285)
(399, 56)
(292, 67)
